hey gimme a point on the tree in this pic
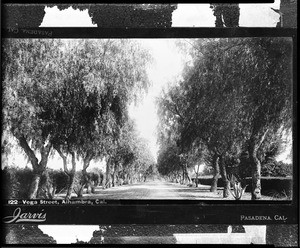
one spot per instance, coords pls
(171, 109)
(130, 157)
(235, 93)
(125, 79)
(151, 172)
(144, 158)
(258, 73)
(198, 113)
(268, 91)
(195, 157)
(214, 109)
(70, 94)
(29, 88)
(255, 76)
(168, 162)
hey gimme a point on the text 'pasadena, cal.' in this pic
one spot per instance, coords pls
(263, 217)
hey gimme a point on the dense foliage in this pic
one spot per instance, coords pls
(72, 96)
(234, 98)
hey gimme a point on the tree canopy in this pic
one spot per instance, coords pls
(235, 96)
(70, 94)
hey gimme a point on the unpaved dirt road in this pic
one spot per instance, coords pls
(155, 190)
(159, 190)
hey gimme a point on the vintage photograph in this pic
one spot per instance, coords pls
(187, 119)
(186, 135)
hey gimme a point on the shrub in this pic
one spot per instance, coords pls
(17, 182)
(238, 190)
(53, 182)
(283, 186)
(80, 182)
(276, 169)
(11, 184)
(269, 185)
(60, 180)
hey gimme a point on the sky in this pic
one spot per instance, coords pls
(167, 67)
(168, 61)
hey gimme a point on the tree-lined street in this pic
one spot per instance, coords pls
(71, 97)
(229, 111)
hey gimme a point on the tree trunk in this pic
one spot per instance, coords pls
(34, 186)
(93, 187)
(118, 176)
(71, 173)
(255, 171)
(255, 142)
(186, 173)
(36, 182)
(80, 192)
(86, 176)
(87, 181)
(178, 177)
(71, 176)
(38, 167)
(64, 158)
(214, 184)
(49, 188)
(224, 177)
(196, 180)
(114, 179)
(103, 181)
(114, 183)
(183, 175)
(117, 180)
(108, 173)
